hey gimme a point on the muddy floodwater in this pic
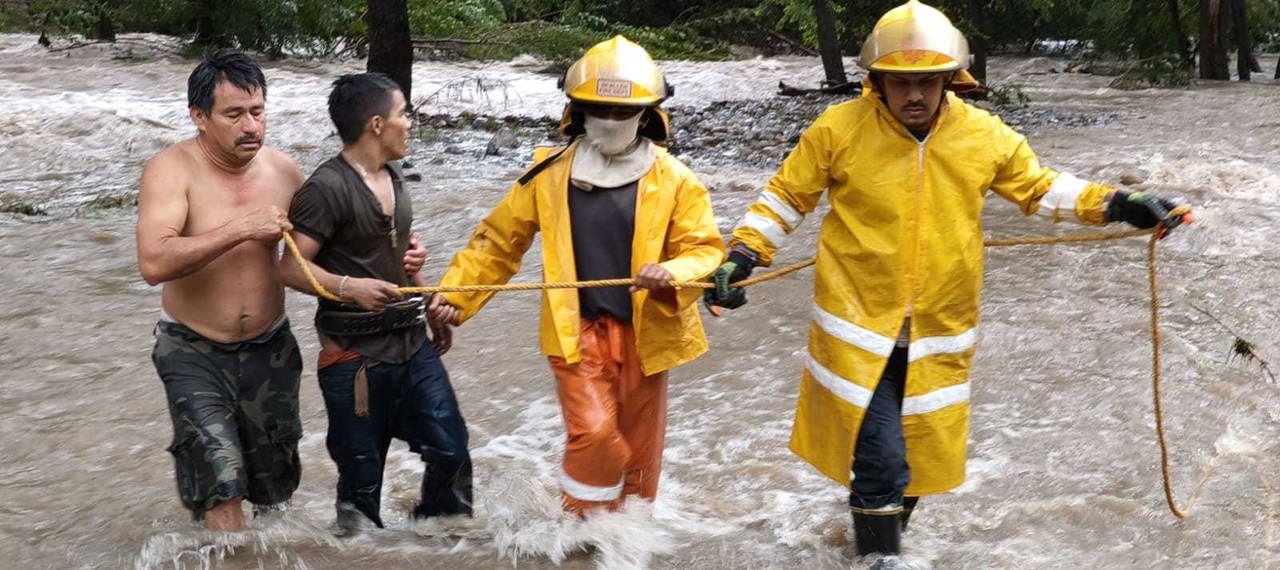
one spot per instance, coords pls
(1063, 465)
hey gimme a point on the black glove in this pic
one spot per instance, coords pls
(1144, 210)
(724, 294)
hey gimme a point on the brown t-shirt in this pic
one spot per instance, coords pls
(336, 208)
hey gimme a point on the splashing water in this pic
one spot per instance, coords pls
(1063, 469)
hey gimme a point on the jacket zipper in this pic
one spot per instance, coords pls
(911, 285)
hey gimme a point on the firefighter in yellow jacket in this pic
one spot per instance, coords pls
(612, 204)
(906, 168)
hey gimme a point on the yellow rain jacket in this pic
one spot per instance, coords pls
(903, 238)
(675, 228)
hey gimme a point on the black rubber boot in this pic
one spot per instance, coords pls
(908, 506)
(446, 489)
(877, 532)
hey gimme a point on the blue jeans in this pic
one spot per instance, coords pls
(413, 402)
(880, 470)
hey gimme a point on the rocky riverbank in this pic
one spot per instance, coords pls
(756, 133)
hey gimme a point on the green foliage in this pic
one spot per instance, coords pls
(562, 39)
(796, 18)
(554, 41)
(1133, 30)
(75, 16)
(310, 27)
(675, 42)
(1136, 28)
(453, 18)
(1160, 71)
(1264, 24)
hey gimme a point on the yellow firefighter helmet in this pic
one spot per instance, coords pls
(914, 38)
(615, 72)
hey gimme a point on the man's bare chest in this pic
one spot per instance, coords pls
(214, 201)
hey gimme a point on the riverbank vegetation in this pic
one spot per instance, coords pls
(1162, 43)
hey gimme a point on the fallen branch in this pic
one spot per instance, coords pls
(432, 42)
(119, 41)
(1240, 348)
(794, 44)
(841, 89)
(77, 45)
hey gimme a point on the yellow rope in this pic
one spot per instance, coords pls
(1155, 391)
(325, 293)
(1006, 242)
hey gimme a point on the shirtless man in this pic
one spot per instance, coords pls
(211, 210)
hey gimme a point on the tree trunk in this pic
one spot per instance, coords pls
(1213, 44)
(829, 44)
(1244, 50)
(106, 29)
(206, 30)
(1184, 44)
(977, 10)
(390, 46)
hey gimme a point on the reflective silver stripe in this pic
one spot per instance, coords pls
(935, 400)
(843, 389)
(585, 492)
(932, 345)
(852, 334)
(789, 215)
(771, 230)
(1062, 195)
(861, 397)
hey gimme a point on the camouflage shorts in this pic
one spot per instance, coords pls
(235, 415)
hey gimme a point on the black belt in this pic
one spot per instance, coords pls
(403, 314)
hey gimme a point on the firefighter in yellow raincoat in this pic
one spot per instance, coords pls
(906, 168)
(612, 204)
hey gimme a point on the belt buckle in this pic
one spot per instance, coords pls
(422, 311)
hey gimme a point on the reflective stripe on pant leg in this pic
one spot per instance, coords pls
(880, 470)
(595, 453)
(642, 417)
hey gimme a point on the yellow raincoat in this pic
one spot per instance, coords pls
(903, 238)
(675, 228)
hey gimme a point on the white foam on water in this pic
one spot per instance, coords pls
(271, 540)
(527, 520)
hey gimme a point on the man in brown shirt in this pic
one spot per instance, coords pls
(379, 375)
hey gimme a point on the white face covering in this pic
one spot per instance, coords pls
(609, 136)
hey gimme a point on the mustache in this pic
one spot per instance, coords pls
(248, 139)
(915, 107)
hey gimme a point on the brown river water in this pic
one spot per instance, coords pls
(1064, 467)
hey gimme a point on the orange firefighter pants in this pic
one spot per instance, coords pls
(615, 418)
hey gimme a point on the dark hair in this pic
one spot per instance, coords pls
(226, 65)
(357, 98)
